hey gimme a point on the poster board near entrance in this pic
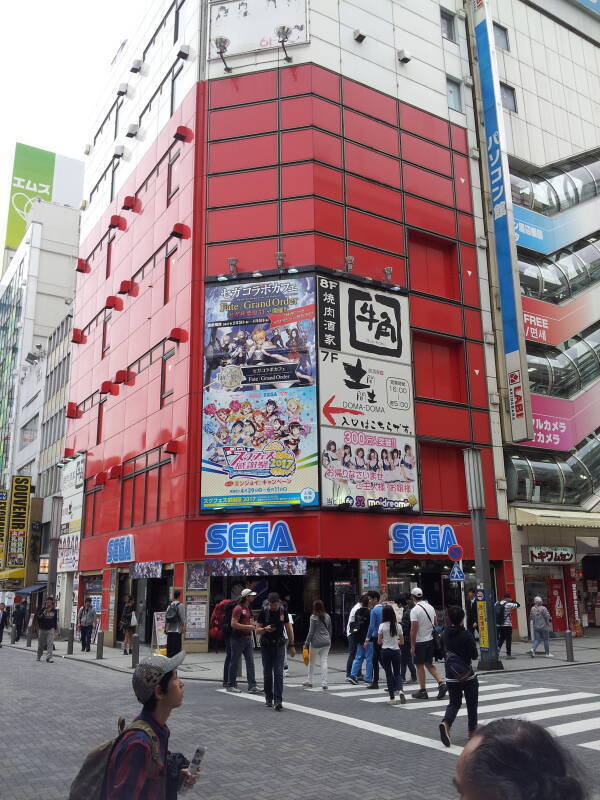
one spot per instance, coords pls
(159, 637)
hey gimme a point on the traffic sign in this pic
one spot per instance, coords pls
(456, 573)
(455, 553)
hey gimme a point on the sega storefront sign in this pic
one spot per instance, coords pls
(120, 550)
(421, 539)
(259, 438)
(255, 538)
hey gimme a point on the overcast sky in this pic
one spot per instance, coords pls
(54, 62)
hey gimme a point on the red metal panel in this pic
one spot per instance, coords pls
(439, 366)
(433, 266)
(480, 421)
(371, 263)
(371, 133)
(370, 102)
(241, 223)
(257, 151)
(422, 214)
(308, 144)
(251, 255)
(434, 315)
(242, 187)
(243, 121)
(299, 112)
(372, 197)
(466, 228)
(427, 184)
(462, 183)
(473, 327)
(470, 275)
(459, 138)
(425, 154)
(243, 89)
(477, 377)
(372, 165)
(489, 482)
(443, 486)
(442, 422)
(312, 214)
(423, 124)
(376, 232)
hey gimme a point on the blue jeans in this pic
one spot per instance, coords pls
(539, 637)
(239, 646)
(227, 660)
(363, 652)
(390, 661)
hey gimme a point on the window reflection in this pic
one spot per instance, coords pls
(560, 187)
(545, 199)
(547, 481)
(563, 371)
(530, 277)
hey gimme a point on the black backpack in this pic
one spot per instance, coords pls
(457, 668)
(499, 611)
(226, 620)
(361, 621)
(172, 612)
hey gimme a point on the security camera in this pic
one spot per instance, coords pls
(404, 56)
(359, 36)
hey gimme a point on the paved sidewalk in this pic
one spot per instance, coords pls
(209, 666)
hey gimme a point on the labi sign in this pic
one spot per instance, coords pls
(421, 539)
(241, 538)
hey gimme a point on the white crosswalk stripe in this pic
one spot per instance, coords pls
(426, 704)
(579, 726)
(431, 703)
(568, 711)
(529, 701)
(591, 745)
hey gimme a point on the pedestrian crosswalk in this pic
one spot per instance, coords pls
(545, 705)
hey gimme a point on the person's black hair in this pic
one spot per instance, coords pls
(373, 594)
(152, 702)
(456, 615)
(176, 594)
(364, 600)
(319, 608)
(273, 597)
(519, 760)
(507, 595)
(87, 600)
(389, 615)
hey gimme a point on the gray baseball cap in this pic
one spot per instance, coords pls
(150, 671)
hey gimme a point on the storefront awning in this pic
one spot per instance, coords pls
(12, 574)
(565, 519)
(31, 589)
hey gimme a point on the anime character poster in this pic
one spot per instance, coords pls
(259, 442)
(364, 470)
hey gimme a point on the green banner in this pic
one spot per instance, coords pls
(33, 176)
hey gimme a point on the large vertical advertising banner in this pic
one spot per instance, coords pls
(19, 521)
(259, 437)
(70, 522)
(366, 409)
(517, 381)
(3, 523)
(251, 25)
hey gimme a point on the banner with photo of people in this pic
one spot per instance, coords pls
(366, 407)
(259, 435)
(267, 565)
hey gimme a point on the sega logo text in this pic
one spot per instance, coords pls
(421, 539)
(249, 537)
(120, 550)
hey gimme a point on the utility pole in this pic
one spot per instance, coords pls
(57, 503)
(488, 641)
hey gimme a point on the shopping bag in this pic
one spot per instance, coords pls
(305, 656)
(134, 621)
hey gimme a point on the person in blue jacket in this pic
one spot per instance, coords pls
(372, 635)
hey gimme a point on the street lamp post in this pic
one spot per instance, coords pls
(488, 641)
(57, 502)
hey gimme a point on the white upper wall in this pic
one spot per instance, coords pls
(556, 76)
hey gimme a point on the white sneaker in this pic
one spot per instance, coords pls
(393, 702)
(548, 655)
(531, 653)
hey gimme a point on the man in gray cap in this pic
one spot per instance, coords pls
(138, 763)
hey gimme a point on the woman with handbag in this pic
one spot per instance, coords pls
(128, 624)
(318, 641)
(461, 649)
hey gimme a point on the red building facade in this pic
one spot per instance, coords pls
(288, 169)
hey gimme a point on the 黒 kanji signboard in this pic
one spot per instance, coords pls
(366, 410)
(19, 521)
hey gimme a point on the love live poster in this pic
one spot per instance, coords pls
(259, 421)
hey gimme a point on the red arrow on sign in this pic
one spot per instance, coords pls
(329, 411)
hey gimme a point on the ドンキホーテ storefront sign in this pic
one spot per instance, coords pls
(421, 539)
(120, 550)
(249, 537)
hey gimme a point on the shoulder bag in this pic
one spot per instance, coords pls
(438, 645)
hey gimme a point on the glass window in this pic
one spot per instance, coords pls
(578, 484)
(172, 176)
(589, 455)
(522, 190)
(590, 255)
(545, 200)
(29, 432)
(448, 31)
(509, 98)
(176, 89)
(574, 269)
(530, 277)
(548, 480)
(539, 370)
(585, 360)
(593, 164)
(167, 377)
(454, 100)
(555, 287)
(565, 377)
(583, 180)
(519, 478)
(592, 337)
(501, 37)
(563, 186)
(186, 10)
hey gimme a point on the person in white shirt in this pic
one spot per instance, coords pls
(390, 638)
(351, 639)
(422, 621)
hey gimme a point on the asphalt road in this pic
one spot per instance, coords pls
(337, 744)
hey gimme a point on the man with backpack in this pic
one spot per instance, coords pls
(460, 649)
(137, 764)
(358, 629)
(503, 610)
(174, 624)
(406, 660)
(274, 623)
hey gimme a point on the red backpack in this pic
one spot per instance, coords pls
(220, 619)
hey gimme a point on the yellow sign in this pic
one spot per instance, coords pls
(3, 523)
(482, 625)
(19, 521)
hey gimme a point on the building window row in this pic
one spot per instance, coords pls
(560, 187)
(104, 188)
(561, 275)
(29, 432)
(141, 488)
(60, 333)
(554, 479)
(110, 123)
(53, 429)
(58, 377)
(49, 481)
(163, 256)
(164, 101)
(563, 371)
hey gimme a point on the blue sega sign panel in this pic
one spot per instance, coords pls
(241, 538)
(421, 539)
(120, 549)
